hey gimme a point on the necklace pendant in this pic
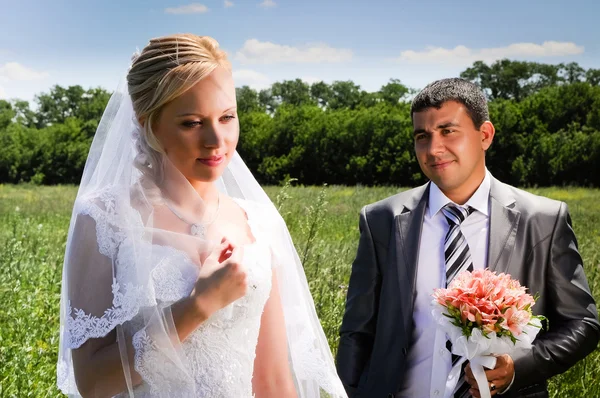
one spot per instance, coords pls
(197, 230)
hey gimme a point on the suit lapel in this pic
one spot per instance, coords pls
(407, 236)
(504, 220)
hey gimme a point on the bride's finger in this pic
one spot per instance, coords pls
(237, 253)
(219, 253)
(222, 247)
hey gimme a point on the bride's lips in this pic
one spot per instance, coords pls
(212, 161)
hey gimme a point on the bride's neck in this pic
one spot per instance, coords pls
(181, 189)
(182, 195)
(207, 190)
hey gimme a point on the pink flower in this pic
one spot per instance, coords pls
(488, 301)
(525, 300)
(515, 320)
(471, 313)
(490, 327)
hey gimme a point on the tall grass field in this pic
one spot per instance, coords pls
(323, 223)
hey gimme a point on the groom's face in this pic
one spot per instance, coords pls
(450, 149)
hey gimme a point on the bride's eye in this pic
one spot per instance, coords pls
(192, 123)
(227, 118)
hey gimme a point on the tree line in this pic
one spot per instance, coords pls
(547, 120)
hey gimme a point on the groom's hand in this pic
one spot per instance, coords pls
(498, 378)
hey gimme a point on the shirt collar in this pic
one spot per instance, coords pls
(479, 200)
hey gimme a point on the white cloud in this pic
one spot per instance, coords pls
(268, 4)
(228, 3)
(2, 93)
(247, 77)
(194, 8)
(264, 52)
(461, 55)
(16, 71)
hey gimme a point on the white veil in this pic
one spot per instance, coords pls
(115, 279)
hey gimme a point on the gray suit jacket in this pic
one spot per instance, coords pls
(531, 238)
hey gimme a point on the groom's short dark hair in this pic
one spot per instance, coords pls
(435, 94)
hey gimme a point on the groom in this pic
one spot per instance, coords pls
(462, 219)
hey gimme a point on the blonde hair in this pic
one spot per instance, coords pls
(166, 68)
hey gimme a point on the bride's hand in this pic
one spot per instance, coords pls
(222, 279)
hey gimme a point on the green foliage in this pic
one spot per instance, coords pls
(283, 195)
(547, 120)
(393, 92)
(345, 95)
(6, 114)
(516, 80)
(24, 115)
(33, 228)
(62, 103)
(292, 92)
(248, 100)
(314, 221)
(50, 145)
(592, 76)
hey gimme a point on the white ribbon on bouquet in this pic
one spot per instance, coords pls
(479, 350)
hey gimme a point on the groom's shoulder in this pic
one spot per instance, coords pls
(534, 205)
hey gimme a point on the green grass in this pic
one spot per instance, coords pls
(323, 223)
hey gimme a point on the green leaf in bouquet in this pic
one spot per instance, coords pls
(545, 321)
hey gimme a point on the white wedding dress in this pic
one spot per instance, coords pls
(221, 352)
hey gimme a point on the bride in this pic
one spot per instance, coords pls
(180, 277)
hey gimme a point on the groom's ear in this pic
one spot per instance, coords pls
(487, 131)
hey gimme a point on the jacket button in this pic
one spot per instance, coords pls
(404, 351)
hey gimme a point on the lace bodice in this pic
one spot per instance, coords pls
(221, 351)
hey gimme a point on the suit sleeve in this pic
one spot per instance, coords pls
(357, 332)
(574, 330)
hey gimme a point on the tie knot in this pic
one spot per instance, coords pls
(456, 214)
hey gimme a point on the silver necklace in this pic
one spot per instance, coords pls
(197, 229)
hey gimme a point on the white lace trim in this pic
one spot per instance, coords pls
(128, 297)
(82, 326)
(108, 233)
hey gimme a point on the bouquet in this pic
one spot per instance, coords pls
(485, 314)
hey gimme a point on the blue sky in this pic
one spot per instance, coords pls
(68, 42)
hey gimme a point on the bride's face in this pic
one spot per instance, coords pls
(199, 130)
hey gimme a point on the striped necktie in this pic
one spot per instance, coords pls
(458, 259)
